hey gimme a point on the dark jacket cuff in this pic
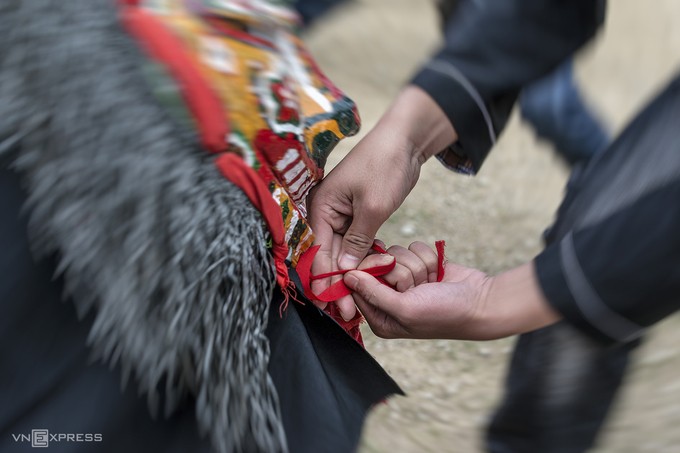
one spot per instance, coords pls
(465, 108)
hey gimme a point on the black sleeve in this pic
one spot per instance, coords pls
(492, 48)
(617, 277)
(613, 266)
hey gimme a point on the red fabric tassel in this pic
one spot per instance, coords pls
(441, 259)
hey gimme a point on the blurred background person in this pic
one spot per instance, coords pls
(553, 105)
(311, 10)
(563, 378)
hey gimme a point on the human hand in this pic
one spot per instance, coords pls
(467, 304)
(414, 265)
(348, 207)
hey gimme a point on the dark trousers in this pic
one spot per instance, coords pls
(559, 389)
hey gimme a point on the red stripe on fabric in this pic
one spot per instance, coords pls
(262, 139)
(239, 173)
(297, 176)
(292, 165)
(163, 46)
(304, 189)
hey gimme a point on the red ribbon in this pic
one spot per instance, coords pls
(441, 258)
(339, 289)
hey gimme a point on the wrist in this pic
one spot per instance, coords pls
(513, 303)
(419, 123)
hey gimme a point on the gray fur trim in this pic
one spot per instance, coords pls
(169, 254)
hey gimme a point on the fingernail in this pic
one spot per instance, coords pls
(348, 261)
(347, 319)
(351, 280)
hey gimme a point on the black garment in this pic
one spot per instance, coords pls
(558, 392)
(46, 378)
(610, 268)
(312, 10)
(326, 382)
(492, 49)
(613, 266)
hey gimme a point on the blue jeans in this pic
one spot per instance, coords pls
(310, 10)
(556, 110)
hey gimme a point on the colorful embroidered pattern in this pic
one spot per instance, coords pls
(284, 115)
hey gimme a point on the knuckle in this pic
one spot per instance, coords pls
(373, 206)
(395, 249)
(420, 272)
(358, 240)
(370, 295)
(404, 279)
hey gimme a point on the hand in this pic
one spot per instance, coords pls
(348, 207)
(361, 193)
(416, 265)
(467, 304)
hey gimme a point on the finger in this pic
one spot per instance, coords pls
(400, 278)
(380, 244)
(324, 261)
(380, 322)
(345, 304)
(358, 240)
(412, 262)
(429, 257)
(318, 286)
(320, 305)
(372, 293)
(346, 307)
(376, 260)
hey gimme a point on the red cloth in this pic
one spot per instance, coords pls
(239, 173)
(339, 289)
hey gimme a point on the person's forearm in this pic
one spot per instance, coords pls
(420, 122)
(514, 304)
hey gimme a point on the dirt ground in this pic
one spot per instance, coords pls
(493, 221)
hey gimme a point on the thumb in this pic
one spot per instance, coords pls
(371, 291)
(357, 242)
